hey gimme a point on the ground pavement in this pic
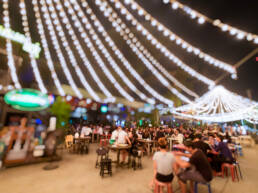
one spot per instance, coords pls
(77, 174)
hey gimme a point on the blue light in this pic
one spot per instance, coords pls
(38, 121)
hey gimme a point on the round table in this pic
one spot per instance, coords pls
(118, 148)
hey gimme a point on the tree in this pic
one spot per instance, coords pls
(62, 111)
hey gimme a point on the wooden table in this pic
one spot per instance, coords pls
(171, 140)
(93, 137)
(148, 142)
(118, 148)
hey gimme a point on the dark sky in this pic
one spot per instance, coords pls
(241, 14)
(211, 40)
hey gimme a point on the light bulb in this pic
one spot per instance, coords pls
(172, 37)
(140, 12)
(233, 31)
(224, 27)
(153, 23)
(201, 20)
(175, 5)
(256, 40)
(240, 35)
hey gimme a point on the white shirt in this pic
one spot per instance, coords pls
(122, 137)
(86, 131)
(180, 138)
(114, 135)
(100, 131)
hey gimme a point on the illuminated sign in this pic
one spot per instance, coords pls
(32, 48)
(27, 99)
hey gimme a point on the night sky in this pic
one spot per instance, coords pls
(241, 14)
(211, 40)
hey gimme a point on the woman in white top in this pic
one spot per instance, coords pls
(164, 163)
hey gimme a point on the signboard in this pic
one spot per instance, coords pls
(32, 48)
(27, 99)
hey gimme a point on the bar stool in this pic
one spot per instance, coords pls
(159, 185)
(206, 184)
(233, 170)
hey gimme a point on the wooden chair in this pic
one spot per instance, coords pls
(69, 142)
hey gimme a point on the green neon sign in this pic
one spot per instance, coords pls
(27, 99)
(32, 48)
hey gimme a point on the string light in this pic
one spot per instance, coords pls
(186, 46)
(121, 57)
(9, 48)
(32, 59)
(217, 105)
(46, 49)
(95, 54)
(79, 50)
(52, 34)
(168, 54)
(140, 55)
(124, 61)
(240, 34)
(104, 50)
(156, 63)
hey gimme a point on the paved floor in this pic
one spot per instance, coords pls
(77, 174)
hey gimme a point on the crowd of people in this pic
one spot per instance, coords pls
(205, 150)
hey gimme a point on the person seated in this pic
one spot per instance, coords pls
(201, 145)
(224, 155)
(133, 137)
(86, 131)
(159, 133)
(197, 169)
(146, 134)
(222, 148)
(163, 163)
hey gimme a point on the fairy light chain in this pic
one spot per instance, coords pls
(161, 47)
(140, 55)
(121, 57)
(150, 57)
(77, 45)
(9, 48)
(52, 34)
(233, 31)
(32, 59)
(46, 49)
(175, 38)
(101, 63)
(82, 55)
(217, 105)
(103, 49)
